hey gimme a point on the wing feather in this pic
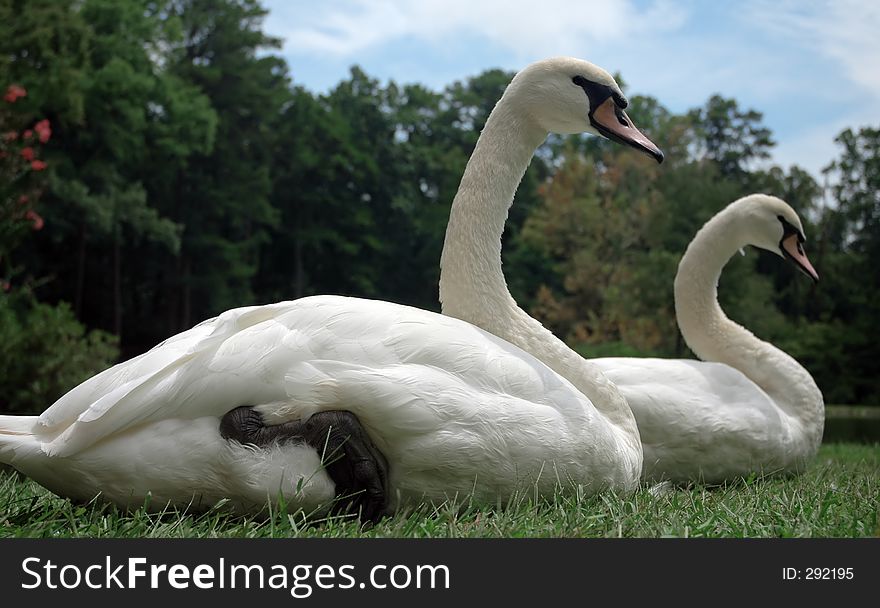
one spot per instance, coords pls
(399, 364)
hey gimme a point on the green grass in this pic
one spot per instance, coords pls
(837, 497)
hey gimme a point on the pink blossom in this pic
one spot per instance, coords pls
(38, 165)
(13, 92)
(35, 218)
(44, 131)
(27, 153)
(10, 136)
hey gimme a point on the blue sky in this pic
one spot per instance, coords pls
(811, 67)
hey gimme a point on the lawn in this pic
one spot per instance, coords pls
(837, 497)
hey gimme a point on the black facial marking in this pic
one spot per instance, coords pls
(598, 93)
(788, 229)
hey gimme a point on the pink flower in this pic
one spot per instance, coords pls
(13, 92)
(23, 199)
(38, 165)
(35, 218)
(44, 131)
(27, 153)
(10, 136)
(27, 134)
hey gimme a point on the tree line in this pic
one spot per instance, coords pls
(182, 171)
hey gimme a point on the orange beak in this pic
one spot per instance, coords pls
(793, 250)
(612, 122)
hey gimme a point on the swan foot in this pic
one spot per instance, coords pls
(356, 466)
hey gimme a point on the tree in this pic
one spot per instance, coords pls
(120, 105)
(845, 339)
(43, 349)
(730, 137)
(21, 177)
(221, 196)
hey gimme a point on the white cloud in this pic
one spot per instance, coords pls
(847, 31)
(524, 27)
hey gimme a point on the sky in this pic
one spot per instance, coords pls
(811, 67)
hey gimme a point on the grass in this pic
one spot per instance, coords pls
(837, 497)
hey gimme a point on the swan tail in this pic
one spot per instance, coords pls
(17, 440)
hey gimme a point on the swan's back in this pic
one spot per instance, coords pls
(414, 378)
(701, 420)
(455, 409)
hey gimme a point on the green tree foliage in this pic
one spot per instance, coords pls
(222, 195)
(44, 351)
(116, 114)
(849, 318)
(730, 137)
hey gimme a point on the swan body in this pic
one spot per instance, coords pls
(453, 408)
(748, 407)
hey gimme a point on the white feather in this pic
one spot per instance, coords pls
(491, 420)
(750, 407)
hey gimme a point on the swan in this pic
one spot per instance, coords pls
(748, 407)
(243, 408)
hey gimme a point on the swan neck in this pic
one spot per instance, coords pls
(472, 284)
(470, 265)
(712, 336)
(696, 282)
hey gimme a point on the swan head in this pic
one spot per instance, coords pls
(567, 96)
(773, 225)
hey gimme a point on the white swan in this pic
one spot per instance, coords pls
(748, 407)
(454, 409)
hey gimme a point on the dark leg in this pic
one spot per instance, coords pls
(358, 469)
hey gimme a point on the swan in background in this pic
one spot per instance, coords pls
(748, 406)
(241, 406)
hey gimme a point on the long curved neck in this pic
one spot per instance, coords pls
(472, 284)
(714, 337)
(470, 266)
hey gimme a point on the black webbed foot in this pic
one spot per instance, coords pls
(356, 466)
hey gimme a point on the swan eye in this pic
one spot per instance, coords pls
(579, 81)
